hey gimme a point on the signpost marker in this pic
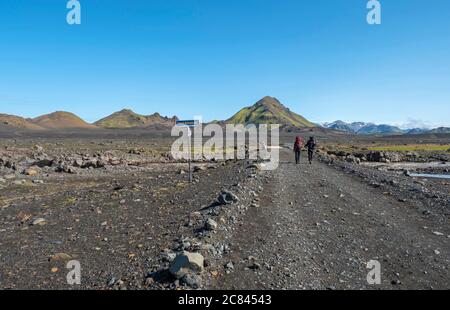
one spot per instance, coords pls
(189, 124)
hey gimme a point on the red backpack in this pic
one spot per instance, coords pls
(298, 144)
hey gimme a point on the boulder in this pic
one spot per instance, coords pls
(227, 197)
(375, 156)
(353, 159)
(78, 163)
(89, 164)
(185, 263)
(393, 156)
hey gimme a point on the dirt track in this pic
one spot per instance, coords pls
(317, 228)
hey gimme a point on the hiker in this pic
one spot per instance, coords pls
(297, 149)
(311, 145)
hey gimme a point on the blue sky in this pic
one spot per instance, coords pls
(211, 58)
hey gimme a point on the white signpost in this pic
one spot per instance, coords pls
(189, 124)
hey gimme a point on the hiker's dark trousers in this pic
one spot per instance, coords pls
(297, 157)
(310, 155)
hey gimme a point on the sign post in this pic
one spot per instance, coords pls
(189, 124)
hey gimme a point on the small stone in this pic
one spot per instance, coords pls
(149, 281)
(39, 221)
(167, 255)
(60, 257)
(195, 215)
(255, 266)
(112, 281)
(199, 168)
(9, 176)
(30, 172)
(192, 280)
(396, 282)
(210, 224)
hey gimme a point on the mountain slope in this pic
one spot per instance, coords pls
(416, 131)
(440, 130)
(16, 122)
(128, 119)
(371, 129)
(362, 128)
(269, 111)
(61, 120)
(343, 126)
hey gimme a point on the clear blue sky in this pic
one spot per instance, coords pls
(212, 57)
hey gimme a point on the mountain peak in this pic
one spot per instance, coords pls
(61, 120)
(363, 128)
(269, 110)
(126, 111)
(126, 118)
(17, 122)
(269, 101)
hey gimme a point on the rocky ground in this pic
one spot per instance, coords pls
(317, 226)
(126, 212)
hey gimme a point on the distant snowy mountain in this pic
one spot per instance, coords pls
(362, 128)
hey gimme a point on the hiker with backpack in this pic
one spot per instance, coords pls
(311, 146)
(297, 149)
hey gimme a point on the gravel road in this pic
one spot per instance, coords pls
(317, 228)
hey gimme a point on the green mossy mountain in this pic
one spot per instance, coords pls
(269, 111)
